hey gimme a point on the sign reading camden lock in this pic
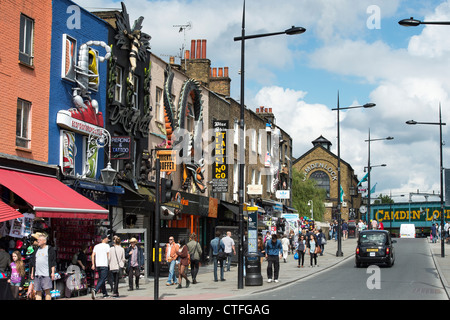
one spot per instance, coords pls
(323, 166)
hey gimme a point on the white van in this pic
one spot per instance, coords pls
(407, 230)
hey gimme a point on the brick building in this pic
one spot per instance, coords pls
(320, 164)
(24, 74)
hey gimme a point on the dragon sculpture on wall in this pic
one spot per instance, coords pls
(193, 168)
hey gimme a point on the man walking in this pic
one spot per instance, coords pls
(274, 252)
(43, 264)
(217, 245)
(100, 261)
(229, 248)
(135, 256)
(171, 258)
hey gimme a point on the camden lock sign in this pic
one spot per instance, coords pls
(324, 167)
(220, 167)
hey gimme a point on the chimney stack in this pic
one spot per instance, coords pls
(195, 62)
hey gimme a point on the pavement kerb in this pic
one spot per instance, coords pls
(442, 275)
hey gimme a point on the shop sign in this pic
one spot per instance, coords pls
(66, 121)
(120, 147)
(220, 167)
(167, 159)
(283, 194)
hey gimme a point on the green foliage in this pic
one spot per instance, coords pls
(304, 191)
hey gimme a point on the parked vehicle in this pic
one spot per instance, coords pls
(407, 230)
(373, 247)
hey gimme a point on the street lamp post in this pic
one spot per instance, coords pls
(440, 124)
(368, 175)
(291, 31)
(367, 105)
(311, 203)
(411, 22)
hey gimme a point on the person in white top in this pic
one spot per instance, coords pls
(285, 245)
(100, 260)
(229, 248)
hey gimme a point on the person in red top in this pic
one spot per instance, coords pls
(183, 254)
(380, 225)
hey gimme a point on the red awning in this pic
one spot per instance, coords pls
(50, 197)
(8, 212)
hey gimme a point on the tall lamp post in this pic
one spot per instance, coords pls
(367, 105)
(440, 124)
(369, 168)
(292, 31)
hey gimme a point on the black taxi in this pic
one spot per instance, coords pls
(373, 247)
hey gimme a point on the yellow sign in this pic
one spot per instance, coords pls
(167, 159)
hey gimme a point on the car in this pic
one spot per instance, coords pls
(373, 247)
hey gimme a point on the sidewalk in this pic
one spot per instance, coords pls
(207, 289)
(442, 263)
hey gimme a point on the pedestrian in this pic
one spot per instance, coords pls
(100, 261)
(229, 248)
(135, 256)
(216, 246)
(17, 277)
(313, 248)
(433, 233)
(344, 230)
(171, 258)
(291, 241)
(261, 249)
(80, 258)
(380, 225)
(195, 251)
(116, 263)
(274, 252)
(43, 265)
(374, 224)
(183, 255)
(321, 241)
(285, 245)
(5, 258)
(301, 249)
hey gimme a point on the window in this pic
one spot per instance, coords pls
(23, 124)
(190, 118)
(26, 40)
(158, 112)
(135, 97)
(236, 132)
(322, 179)
(119, 84)
(259, 142)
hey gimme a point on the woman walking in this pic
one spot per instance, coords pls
(116, 263)
(301, 249)
(313, 248)
(184, 262)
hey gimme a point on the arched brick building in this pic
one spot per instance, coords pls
(320, 164)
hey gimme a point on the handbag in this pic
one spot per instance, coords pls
(221, 255)
(121, 269)
(296, 255)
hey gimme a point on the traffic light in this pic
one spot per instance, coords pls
(166, 190)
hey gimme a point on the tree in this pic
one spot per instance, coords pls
(304, 190)
(383, 200)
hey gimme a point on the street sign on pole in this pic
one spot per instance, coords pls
(167, 159)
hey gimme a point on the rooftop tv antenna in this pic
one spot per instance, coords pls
(183, 28)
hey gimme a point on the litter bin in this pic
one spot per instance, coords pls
(253, 275)
(352, 229)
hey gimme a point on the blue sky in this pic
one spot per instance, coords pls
(403, 70)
